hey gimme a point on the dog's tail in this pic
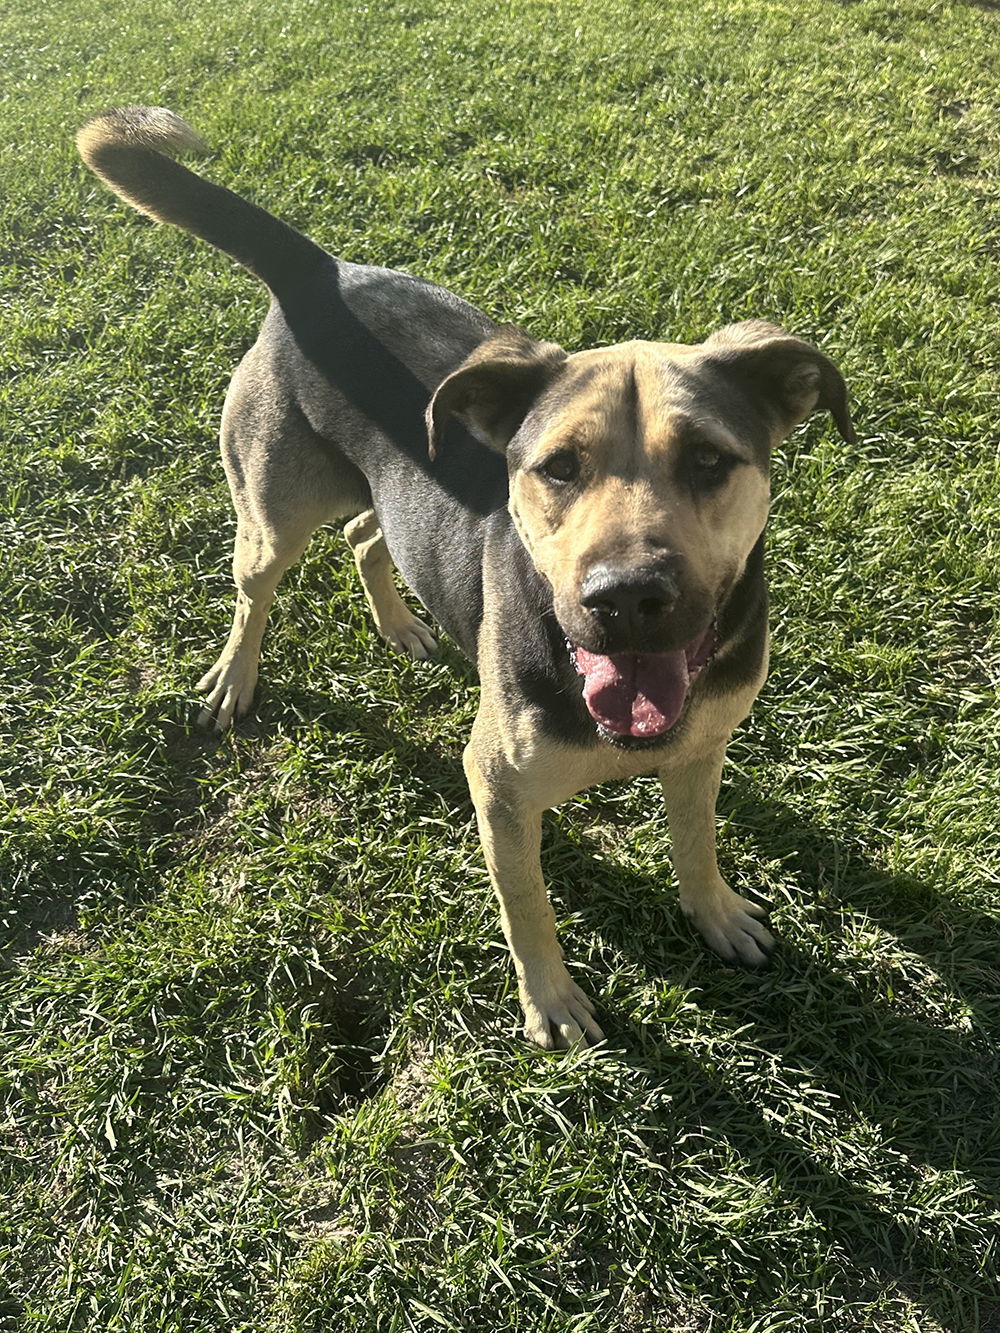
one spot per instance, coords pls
(128, 147)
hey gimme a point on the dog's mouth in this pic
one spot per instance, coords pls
(639, 696)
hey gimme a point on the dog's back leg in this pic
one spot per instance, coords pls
(393, 618)
(285, 482)
(260, 559)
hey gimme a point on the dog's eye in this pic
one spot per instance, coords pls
(709, 466)
(707, 459)
(561, 466)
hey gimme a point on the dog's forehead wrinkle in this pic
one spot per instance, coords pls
(635, 377)
(654, 380)
(717, 432)
(631, 410)
(588, 407)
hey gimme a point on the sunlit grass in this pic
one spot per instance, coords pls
(259, 1065)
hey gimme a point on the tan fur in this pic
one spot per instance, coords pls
(393, 618)
(298, 449)
(633, 495)
(515, 773)
(147, 127)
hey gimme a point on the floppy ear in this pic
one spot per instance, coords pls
(494, 388)
(792, 378)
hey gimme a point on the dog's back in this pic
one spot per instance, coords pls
(355, 350)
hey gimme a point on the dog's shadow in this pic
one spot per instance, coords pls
(925, 1087)
(839, 882)
(916, 1072)
(879, 1010)
(867, 1033)
(918, 1083)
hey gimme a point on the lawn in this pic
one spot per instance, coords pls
(260, 1069)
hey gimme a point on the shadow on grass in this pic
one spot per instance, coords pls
(928, 1086)
(930, 1089)
(889, 1251)
(961, 945)
(871, 1059)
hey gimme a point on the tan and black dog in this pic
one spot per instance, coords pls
(588, 527)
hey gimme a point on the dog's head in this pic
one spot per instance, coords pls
(639, 486)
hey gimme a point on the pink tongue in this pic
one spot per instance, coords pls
(634, 694)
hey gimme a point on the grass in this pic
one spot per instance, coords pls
(259, 1067)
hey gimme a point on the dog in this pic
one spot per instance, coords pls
(587, 527)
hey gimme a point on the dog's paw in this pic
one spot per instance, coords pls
(558, 1014)
(730, 925)
(230, 688)
(413, 638)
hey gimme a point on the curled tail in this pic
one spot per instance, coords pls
(128, 148)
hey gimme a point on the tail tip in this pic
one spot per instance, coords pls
(153, 127)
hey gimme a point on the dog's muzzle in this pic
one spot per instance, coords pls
(631, 608)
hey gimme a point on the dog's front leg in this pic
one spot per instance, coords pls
(556, 1011)
(730, 925)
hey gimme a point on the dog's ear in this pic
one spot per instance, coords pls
(494, 388)
(790, 377)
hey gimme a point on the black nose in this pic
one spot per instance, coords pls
(628, 599)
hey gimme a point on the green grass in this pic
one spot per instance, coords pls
(259, 1068)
